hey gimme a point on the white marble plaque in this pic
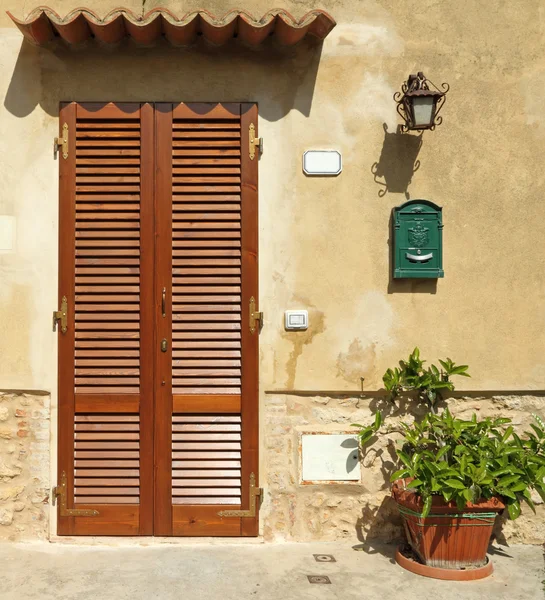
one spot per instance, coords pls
(322, 162)
(330, 457)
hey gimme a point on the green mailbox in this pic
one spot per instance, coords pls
(418, 240)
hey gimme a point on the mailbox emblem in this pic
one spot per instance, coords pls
(418, 235)
(418, 240)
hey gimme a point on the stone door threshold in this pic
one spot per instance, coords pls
(146, 541)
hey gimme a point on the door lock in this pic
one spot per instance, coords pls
(164, 344)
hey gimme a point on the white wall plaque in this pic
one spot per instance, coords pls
(7, 233)
(322, 162)
(330, 457)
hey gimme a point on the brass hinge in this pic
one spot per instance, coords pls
(255, 142)
(255, 493)
(255, 316)
(61, 316)
(62, 142)
(60, 491)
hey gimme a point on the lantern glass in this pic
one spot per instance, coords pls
(423, 110)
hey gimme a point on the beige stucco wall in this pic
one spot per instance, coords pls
(324, 242)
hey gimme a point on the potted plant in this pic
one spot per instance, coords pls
(454, 477)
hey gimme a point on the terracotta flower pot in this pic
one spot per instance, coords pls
(448, 537)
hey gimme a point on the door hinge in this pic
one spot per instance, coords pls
(62, 142)
(255, 493)
(60, 492)
(255, 316)
(61, 316)
(255, 142)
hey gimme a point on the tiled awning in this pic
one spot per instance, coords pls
(43, 25)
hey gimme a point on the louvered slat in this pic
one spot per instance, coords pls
(106, 459)
(206, 255)
(206, 453)
(107, 310)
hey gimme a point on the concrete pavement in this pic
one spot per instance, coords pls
(228, 571)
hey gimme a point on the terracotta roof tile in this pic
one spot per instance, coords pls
(43, 25)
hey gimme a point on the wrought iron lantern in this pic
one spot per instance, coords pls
(419, 103)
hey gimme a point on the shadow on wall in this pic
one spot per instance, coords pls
(370, 528)
(398, 162)
(279, 79)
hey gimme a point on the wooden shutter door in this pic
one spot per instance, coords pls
(206, 404)
(106, 354)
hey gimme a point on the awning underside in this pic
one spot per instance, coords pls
(43, 25)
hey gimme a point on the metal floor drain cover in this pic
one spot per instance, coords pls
(318, 579)
(324, 558)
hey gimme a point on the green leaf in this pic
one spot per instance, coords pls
(427, 506)
(475, 493)
(459, 370)
(443, 384)
(501, 472)
(480, 474)
(454, 483)
(450, 473)
(404, 458)
(447, 495)
(401, 474)
(415, 483)
(460, 449)
(461, 500)
(508, 494)
(507, 481)
(539, 432)
(507, 434)
(378, 420)
(441, 452)
(514, 510)
(540, 489)
(519, 487)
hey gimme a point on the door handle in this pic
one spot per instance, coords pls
(164, 345)
(164, 303)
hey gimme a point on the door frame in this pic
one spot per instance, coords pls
(156, 522)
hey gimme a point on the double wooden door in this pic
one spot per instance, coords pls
(158, 403)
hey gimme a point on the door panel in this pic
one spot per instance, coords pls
(106, 268)
(201, 211)
(158, 367)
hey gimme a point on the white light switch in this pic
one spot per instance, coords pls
(296, 319)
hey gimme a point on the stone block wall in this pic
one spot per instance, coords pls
(362, 511)
(24, 466)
